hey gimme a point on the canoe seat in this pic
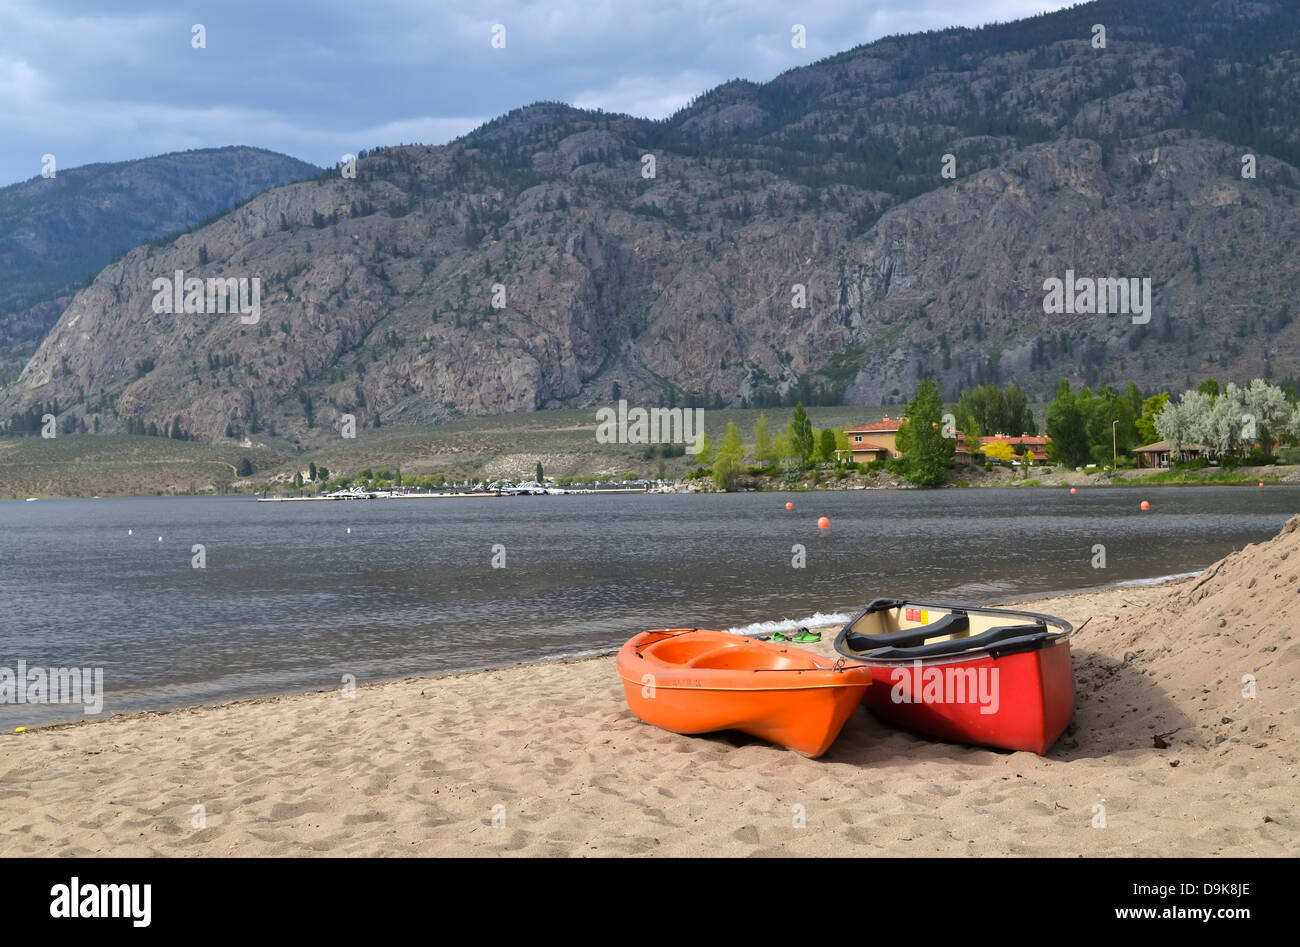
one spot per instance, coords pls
(1002, 636)
(951, 624)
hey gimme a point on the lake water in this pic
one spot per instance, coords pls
(291, 600)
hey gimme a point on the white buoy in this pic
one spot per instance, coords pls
(130, 531)
(349, 529)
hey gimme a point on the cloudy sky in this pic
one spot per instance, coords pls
(107, 80)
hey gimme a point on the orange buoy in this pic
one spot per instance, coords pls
(1146, 505)
(1072, 490)
(790, 506)
(1261, 483)
(823, 523)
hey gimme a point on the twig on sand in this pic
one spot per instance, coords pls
(1217, 566)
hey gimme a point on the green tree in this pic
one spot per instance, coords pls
(245, 468)
(1067, 428)
(311, 470)
(1146, 424)
(801, 435)
(730, 461)
(903, 437)
(984, 409)
(538, 473)
(928, 450)
(1020, 420)
(782, 444)
(705, 455)
(1133, 395)
(826, 445)
(988, 410)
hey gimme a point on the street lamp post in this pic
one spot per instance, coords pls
(1114, 453)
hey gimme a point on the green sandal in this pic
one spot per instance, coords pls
(804, 636)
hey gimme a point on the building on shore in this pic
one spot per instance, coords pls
(1158, 454)
(879, 441)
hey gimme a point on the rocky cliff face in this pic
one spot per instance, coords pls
(54, 231)
(533, 263)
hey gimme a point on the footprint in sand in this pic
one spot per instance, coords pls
(283, 811)
(363, 818)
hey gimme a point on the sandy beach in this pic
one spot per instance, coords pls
(547, 759)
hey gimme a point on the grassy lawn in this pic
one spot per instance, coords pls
(1205, 476)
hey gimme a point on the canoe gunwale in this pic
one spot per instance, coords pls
(1034, 642)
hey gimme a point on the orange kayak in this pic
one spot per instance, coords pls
(692, 681)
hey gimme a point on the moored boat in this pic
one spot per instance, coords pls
(986, 676)
(689, 680)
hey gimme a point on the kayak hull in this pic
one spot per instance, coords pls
(1015, 693)
(1028, 699)
(692, 681)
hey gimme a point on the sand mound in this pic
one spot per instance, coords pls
(1219, 649)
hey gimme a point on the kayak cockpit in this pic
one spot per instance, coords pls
(898, 630)
(688, 648)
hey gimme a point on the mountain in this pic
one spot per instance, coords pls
(59, 231)
(377, 292)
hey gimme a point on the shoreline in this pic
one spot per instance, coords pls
(1289, 477)
(1166, 754)
(577, 658)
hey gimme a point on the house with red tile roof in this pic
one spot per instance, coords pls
(878, 441)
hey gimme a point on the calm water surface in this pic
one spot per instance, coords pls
(291, 600)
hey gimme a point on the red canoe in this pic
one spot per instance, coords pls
(986, 676)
